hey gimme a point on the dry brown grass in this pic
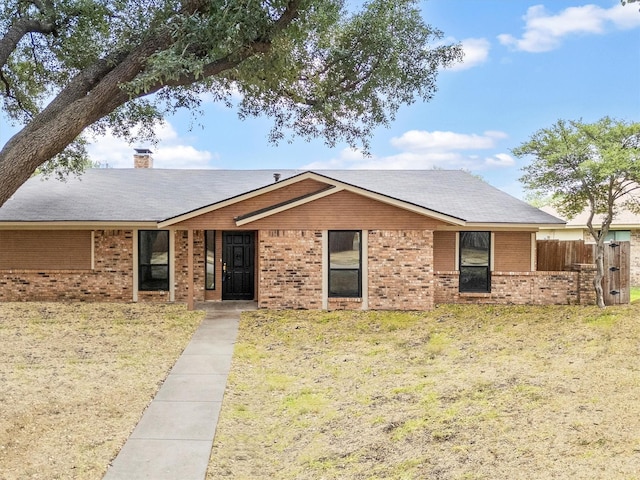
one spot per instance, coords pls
(463, 392)
(75, 378)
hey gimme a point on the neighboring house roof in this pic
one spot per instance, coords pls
(156, 195)
(624, 219)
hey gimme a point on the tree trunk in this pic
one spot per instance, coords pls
(95, 92)
(91, 95)
(28, 149)
(599, 237)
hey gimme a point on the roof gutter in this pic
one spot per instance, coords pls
(76, 225)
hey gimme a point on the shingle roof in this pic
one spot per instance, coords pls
(153, 195)
(623, 218)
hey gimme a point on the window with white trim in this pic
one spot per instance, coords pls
(153, 260)
(345, 263)
(475, 261)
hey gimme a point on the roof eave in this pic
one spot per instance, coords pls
(498, 226)
(616, 226)
(76, 225)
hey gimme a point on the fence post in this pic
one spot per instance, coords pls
(586, 291)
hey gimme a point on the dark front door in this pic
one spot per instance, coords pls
(238, 265)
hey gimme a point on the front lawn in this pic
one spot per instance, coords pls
(462, 392)
(75, 379)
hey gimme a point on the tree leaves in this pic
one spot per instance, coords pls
(316, 68)
(576, 162)
(586, 167)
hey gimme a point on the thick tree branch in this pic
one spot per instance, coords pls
(97, 91)
(232, 60)
(178, 44)
(17, 30)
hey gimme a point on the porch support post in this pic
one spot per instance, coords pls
(534, 253)
(325, 270)
(190, 292)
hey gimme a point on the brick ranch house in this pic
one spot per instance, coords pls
(404, 240)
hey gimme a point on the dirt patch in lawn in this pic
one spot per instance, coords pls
(462, 392)
(75, 379)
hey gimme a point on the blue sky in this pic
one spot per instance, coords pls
(527, 64)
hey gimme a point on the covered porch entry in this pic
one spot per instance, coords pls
(223, 266)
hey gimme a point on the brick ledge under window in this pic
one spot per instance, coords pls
(475, 294)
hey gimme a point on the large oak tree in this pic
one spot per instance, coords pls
(314, 67)
(592, 167)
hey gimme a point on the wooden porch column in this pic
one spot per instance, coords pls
(190, 269)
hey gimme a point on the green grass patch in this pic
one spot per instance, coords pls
(604, 319)
(304, 402)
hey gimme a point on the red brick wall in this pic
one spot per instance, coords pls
(586, 291)
(290, 269)
(399, 266)
(344, 304)
(400, 269)
(111, 280)
(182, 266)
(522, 288)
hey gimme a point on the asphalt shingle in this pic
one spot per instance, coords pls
(143, 195)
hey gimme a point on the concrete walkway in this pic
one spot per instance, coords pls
(174, 437)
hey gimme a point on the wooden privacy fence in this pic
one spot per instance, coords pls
(560, 255)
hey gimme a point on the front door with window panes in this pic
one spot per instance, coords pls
(475, 261)
(238, 265)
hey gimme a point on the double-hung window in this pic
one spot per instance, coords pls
(475, 261)
(153, 260)
(345, 263)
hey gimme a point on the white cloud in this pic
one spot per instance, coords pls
(420, 140)
(544, 31)
(496, 134)
(476, 52)
(500, 160)
(181, 156)
(172, 151)
(419, 149)
(624, 17)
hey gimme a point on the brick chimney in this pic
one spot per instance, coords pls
(142, 158)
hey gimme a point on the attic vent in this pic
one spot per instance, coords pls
(142, 158)
(276, 177)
